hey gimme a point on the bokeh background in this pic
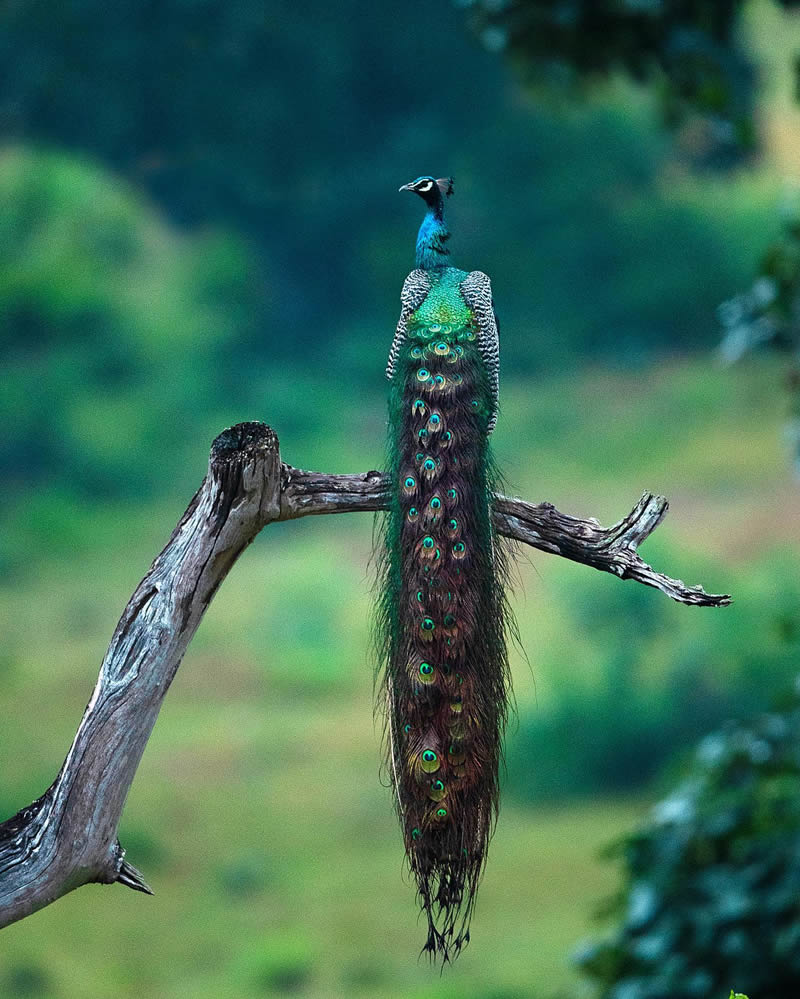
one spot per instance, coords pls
(199, 224)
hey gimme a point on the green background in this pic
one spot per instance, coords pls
(200, 226)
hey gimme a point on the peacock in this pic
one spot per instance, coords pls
(442, 611)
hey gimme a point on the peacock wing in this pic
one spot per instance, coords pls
(476, 290)
(415, 289)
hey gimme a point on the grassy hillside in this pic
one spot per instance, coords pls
(257, 814)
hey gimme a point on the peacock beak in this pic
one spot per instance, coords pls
(407, 187)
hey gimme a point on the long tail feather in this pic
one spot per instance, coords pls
(441, 622)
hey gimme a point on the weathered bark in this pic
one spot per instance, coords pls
(68, 837)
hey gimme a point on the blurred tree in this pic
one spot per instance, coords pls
(713, 878)
(769, 313)
(230, 112)
(290, 124)
(691, 53)
(106, 313)
(688, 50)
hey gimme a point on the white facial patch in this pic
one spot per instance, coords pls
(424, 188)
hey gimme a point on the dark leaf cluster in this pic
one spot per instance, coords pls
(712, 897)
(687, 49)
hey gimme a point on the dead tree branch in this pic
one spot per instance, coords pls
(68, 837)
(540, 525)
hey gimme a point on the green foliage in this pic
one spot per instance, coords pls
(25, 980)
(769, 312)
(592, 247)
(675, 688)
(114, 329)
(689, 51)
(712, 879)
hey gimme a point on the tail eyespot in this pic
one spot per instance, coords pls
(427, 673)
(437, 791)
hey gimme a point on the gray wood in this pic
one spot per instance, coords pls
(68, 837)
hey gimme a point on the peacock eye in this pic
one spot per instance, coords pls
(435, 328)
(429, 465)
(452, 494)
(429, 756)
(406, 728)
(459, 546)
(413, 513)
(410, 483)
(448, 436)
(423, 375)
(441, 813)
(435, 419)
(437, 785)
(423, 434)
(416, 351)
(454, 524)
(426, 669)
(415, 833)
(418, 406)
(439, 379)
(427, 624)
(427, 541)
(449, 620)
(435, 503)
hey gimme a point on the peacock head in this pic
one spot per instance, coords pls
(432, 191)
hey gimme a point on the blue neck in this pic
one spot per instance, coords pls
(432, 239)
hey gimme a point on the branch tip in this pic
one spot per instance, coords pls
(133, 878)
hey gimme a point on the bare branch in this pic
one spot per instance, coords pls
(68, 837)
(610, 549)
